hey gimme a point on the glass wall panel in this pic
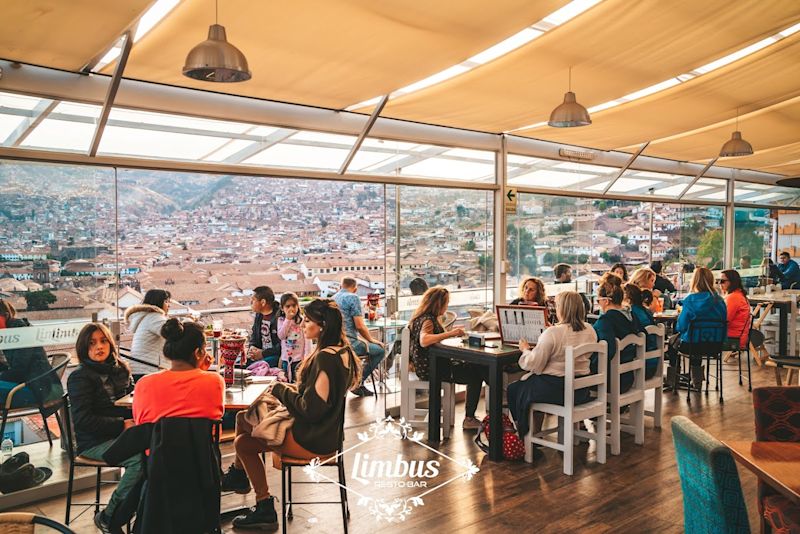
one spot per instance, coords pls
(593, 234)
(752, 193)
(57, 241)
(446, 238)
(394, 158)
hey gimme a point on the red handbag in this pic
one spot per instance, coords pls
(513, 448)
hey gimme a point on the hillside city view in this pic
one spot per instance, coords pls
(210, 239)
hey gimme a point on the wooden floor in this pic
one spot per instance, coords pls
(638, 491)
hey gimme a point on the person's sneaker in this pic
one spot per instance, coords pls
(101, 522)
(261, 517)
(470, 423)
(362, 391)
(235, 480)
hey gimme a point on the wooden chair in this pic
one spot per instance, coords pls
(408, 392)
(26, 523)
(757, 346)
(569, 415)
(633, 398)
(656, 383)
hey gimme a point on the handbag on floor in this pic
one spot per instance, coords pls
(513, 448)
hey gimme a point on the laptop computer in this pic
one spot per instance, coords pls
(521, 322)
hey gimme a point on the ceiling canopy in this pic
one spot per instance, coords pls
(670, 73)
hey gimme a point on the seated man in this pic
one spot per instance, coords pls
(264, 342)
(350, 306)
(790, 271)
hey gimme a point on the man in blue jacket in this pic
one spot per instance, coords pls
(790, 271)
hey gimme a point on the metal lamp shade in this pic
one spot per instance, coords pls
(736, 147)
(569, 114)
(216, 60)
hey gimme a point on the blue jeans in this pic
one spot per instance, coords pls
(133, 470)
(375, 354)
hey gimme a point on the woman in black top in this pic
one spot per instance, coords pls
(426, 330)
(100, 379)
(317, 405)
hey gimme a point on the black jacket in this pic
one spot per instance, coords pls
(182, 483)
(271, 351)
(663, 284)
(611, 326)
(93, 387)
(23, 364)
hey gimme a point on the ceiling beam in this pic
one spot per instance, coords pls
(698, 176)
(113, 86)
(367, 127)
(625, 167)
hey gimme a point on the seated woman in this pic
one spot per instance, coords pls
(531, 293)
(317, 405)
(645, 278)
(638, 300)
(738, 308)
(426, 330)
(99, 380)
(620, 270)
(187, 389)
(702, 304)
(145, 321)
(615, 323)
(21, 365)
(545, 381)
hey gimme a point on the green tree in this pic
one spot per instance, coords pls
(520, 241)
(710, 249)
(583, 258)
(485, 261)
(469, 245)
(461, 211)
(39, 300)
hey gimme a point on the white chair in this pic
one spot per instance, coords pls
(656, 383)
(633, 398)
(569, 414)
(408, 393)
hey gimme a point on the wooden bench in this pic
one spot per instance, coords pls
(790, 363)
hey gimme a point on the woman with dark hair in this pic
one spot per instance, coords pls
(639, 301)
(738, 307)
(615, 322)
(620, 270)
(426, 329)
(316, 404)
(186, 389)
(100, 379)
(145, 321)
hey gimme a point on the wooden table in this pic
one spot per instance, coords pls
(496, 358)
(776, 463)
(786, 302)
(234, 400)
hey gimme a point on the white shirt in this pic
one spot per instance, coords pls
(547, 357)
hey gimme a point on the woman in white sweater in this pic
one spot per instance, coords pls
(545, 362)
(145, 321)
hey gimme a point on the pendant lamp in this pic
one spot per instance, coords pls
(215, 59)
(570, 113)
(736, 146)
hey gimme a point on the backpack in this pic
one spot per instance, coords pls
(513, 448)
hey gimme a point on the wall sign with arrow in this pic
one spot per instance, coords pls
(510, 201)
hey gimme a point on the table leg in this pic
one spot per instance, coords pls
(783, 332)
(434, 401)
(496, 412)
